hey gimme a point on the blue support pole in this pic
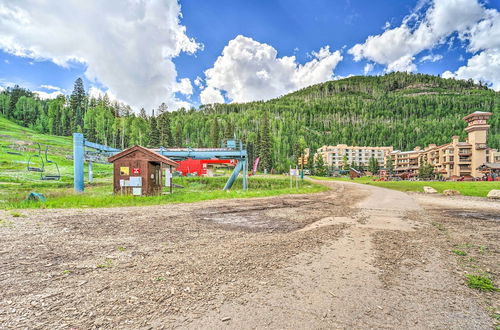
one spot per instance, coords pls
(234, 175)
(78, 162)
(245, 174)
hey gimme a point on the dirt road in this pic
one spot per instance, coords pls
(356, 256)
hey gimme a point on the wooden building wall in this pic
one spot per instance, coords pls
(150, 172)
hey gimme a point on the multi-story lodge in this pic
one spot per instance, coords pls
(454, 159)
(333, 156)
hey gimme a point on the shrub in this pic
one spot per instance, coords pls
(480, 282)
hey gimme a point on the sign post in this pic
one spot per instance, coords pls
(168, 179)
(90, 171)
(296, 177)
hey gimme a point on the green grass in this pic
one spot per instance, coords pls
(13, 168)
(108, 263)
(6, 223)
(16, 182)
(480, 282)
(196, 189)
(466, 188)
(459, 252)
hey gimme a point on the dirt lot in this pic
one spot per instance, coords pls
(355, 256)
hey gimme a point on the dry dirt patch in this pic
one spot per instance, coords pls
(125, 267)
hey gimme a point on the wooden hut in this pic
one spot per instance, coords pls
(139, 171)
(354, 173)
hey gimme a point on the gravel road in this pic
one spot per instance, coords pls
(356, 256)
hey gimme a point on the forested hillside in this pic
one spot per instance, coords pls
(399, 109)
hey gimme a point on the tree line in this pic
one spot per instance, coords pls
(398, 109)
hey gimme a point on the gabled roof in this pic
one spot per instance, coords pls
(484, 113)
(153, 155)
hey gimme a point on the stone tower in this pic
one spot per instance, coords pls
(477, 128)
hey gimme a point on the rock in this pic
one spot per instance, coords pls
(429, 190)
(225, 319)
(495, 194)
(451, 192)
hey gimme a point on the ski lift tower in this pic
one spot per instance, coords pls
(232, 150)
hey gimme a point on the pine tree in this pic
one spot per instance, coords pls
(265, 145)
(425, 171)
(229, 130)
(345, 163)
(319, 166)
(164, 130)
(154, 135)
(142, 114)
(373, 166)
(214, 133)
(179, 141)
(389, 165)
(78, 104)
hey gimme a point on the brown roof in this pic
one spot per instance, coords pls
(153, 155)
(493, 166)
(477, 113)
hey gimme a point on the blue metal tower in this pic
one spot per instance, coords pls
(233, 150)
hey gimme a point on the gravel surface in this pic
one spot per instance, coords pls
(355, 256)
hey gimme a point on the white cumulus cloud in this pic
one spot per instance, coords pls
(368, 68)
(52, 88)
(211, 95)
(47, 96)
(431, 58)
(198, 82)
(249, 70)
(397, 47)
(484, 66)
(184, 87)
(96, 93)
(484, 43)
(127, 45)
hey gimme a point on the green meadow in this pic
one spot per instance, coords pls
(194, 189)
(466, 188)
(16, 182)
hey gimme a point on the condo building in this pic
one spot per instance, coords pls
(454, 159)
(333, 156)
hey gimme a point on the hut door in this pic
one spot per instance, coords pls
(155, 178)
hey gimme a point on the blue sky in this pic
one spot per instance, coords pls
(144, 66)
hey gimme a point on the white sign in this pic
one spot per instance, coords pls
(137, 191)
(168, 177)
(135, 181)
(294, 172)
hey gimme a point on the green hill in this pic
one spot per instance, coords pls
(399, 109)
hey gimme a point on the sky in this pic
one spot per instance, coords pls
(194, 52)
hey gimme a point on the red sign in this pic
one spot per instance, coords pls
(136, 170)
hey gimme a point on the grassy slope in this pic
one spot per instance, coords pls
(13, 167)
(479, 189)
